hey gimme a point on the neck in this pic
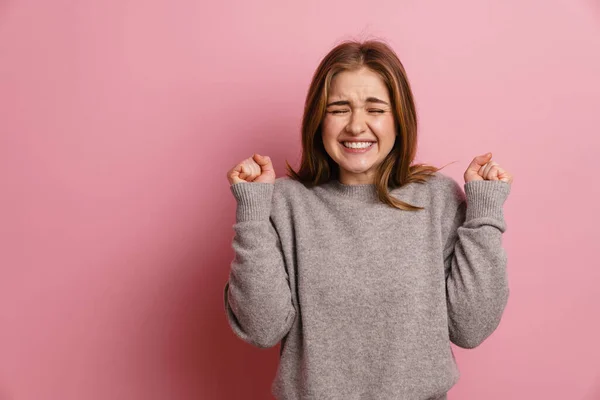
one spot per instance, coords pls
(357, 179)
(363, 191)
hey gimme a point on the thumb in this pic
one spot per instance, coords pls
(263, 161)
(480, 161)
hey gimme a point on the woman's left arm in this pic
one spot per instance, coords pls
(475, 261)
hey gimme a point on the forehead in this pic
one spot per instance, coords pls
(357, 85)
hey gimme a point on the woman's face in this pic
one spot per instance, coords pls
(358, 128)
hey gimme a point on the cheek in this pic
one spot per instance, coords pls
(385, 129)
(383, 124)
(328, 130)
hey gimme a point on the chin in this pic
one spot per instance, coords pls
(356, 171)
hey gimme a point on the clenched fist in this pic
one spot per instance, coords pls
(482, 168)
(254, 169)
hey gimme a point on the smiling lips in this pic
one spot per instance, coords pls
(357, 143)
(357, 147)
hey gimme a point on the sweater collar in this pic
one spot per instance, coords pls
(364, 191)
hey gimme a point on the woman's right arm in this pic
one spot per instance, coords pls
(258, 299)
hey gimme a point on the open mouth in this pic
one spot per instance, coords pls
(357, 145)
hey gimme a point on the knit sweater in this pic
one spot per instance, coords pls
(366, 298)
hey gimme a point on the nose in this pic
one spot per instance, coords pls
(357, 124)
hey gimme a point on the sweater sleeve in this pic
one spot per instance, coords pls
(475, 262)
(258, 301)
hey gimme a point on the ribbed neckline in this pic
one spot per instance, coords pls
(363, 191)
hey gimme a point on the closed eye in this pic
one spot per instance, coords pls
(345, 111)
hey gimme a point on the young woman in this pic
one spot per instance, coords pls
(364, 266)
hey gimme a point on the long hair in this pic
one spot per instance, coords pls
(317, 167)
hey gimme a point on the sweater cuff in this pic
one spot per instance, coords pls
(486, 198)
(253, 200)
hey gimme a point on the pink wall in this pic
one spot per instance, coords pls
(119, 120)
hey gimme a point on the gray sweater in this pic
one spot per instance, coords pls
(366, 298)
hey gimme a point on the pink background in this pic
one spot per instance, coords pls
(120, 119)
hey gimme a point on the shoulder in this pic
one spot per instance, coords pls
(285, 186)
(445, 189)
(448, 200)
(286, 190)
(288, 194)
(287, 183)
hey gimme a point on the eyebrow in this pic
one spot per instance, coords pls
(346, 102)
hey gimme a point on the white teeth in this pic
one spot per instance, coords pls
(357, 145)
